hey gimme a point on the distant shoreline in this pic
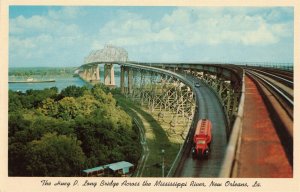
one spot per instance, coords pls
(33, 81)
(48, 71)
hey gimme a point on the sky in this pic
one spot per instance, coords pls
(61, 36)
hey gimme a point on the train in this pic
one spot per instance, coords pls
(202, 139)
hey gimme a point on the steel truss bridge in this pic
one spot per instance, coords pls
(171, 87)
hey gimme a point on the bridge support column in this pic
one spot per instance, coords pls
(97, 73)
(109, 75)
(122, 79)
(94, 74)
(88, 74)
(130, 80)
(85, 74)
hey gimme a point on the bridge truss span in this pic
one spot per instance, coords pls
(183, 92)
(169, 92)
(159, 92)
(224, 80)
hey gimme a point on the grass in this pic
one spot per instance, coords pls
(159, 135)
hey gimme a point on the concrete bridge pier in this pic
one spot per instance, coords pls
(122, 79)
(126, 80)
(85, 74)
(90, 74)
(130, 80)
(97, 73)
(89, 77)
(109, 75)
(94, 74)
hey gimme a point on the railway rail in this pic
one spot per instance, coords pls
(281, 91)
(285, 77)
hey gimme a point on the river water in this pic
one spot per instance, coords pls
(61, 82)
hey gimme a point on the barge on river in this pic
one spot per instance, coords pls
(31, 80)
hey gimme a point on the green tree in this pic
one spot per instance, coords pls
(67, 108)
(16, 123)
(17, 159)
(15, 103)
(33, 98)
(101, 96)
(55, 155)
(41, 125)
(44, 125)
(73, 91)
(87, 104)
(49, 107)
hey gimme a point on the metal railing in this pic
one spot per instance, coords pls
(234, 141)
(185, 144)
(274, 65)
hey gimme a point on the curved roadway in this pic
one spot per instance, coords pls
(209, 107)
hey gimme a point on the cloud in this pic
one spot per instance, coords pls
(177, 17)
(195, 26)
(20, 24)
(46, 39)
(66, 13)
(262, 36)
(54, 22)
(183, 33)
(124, 24)
(40, 24)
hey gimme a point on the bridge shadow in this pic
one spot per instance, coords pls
(157, 138)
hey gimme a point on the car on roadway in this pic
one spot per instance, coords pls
(197, 84)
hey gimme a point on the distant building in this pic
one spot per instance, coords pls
(122, 168)
(96, 171)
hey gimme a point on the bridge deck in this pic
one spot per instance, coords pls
(261, 154)
(210, 108)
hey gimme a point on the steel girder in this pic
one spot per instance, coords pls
(224, 79)
(226, 71)
(161, 93)
(224, 89)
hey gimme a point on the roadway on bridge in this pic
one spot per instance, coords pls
(210, 108)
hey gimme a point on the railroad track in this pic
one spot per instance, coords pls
(279, 98)
(281, 88)
(285, 77)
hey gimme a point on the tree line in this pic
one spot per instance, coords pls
(46, 71)
(60, 134)
(42, 71)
